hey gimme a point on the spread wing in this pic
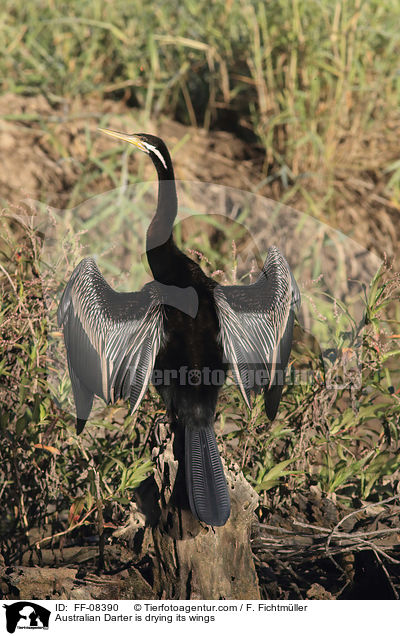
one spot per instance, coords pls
(112, 339)
(256, 327)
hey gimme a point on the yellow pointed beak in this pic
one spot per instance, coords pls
(131, 139)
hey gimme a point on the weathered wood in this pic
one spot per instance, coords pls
(20, 582)
(191, 560)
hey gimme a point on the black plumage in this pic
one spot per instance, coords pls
(183, 331)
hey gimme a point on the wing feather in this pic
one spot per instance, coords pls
(112, 339)
(256, 325)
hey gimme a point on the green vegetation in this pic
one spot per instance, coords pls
(316, 82)
(316, 86)
(343, 441)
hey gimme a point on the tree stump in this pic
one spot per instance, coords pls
(190, 560)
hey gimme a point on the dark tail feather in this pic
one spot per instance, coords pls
(205, 479)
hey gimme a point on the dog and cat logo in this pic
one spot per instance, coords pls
(26, 615)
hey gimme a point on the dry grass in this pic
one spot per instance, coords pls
(311, 92)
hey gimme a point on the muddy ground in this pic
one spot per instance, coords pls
(53, 155)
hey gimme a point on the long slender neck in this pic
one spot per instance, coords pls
(159, 241)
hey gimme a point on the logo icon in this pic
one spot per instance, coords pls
(26, 615)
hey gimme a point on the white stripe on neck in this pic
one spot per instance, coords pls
(158, 154)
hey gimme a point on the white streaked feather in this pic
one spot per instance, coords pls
(253, 319)
(117, 341)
